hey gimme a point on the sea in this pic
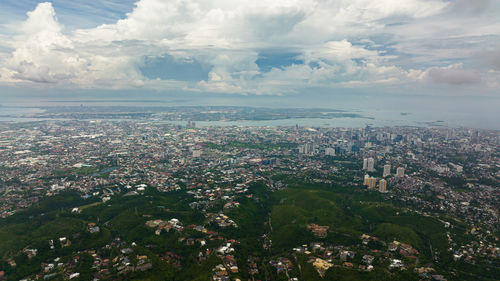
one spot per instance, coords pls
(380, 110)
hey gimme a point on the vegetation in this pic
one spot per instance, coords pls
(282, 216)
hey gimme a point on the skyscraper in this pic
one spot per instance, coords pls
(371, 165)
(474, 136)
(387, 170)
(400, 172)
(382, 186)
(306, 148)
(365, 163)
(366, 182)
(373, 183)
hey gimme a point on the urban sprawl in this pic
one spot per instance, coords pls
(445, 175)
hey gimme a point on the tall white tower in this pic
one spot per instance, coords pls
(371, 165)
(387, 170)
(400, 172)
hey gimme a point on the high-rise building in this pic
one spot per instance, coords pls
(387, 170)
(306, 148)
(366, 182)
(191, 124)
(372, 183)
(400, 172)
(365, 163)
(371, 165)
(330, 151)
(382, 185)
(474, 136)
(301, 149)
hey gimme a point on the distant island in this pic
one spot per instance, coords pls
(192, 113)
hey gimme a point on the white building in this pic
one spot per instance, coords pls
(371, 165)
(330, 151)
(387, 170)
(400, 172)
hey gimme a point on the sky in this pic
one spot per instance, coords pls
(251, 48)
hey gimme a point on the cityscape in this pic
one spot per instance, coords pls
(130, 199)
(263, 140)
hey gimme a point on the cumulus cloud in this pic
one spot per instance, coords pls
(454, 75)
(43, 53)
(335, 43)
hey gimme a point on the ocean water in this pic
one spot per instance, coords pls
(384, 110)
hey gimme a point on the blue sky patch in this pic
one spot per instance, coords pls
(168, 68)
(269, 60)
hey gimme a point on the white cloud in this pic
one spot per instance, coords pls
(340, 51)
(454, 75)
(43, 54)
(336, 40)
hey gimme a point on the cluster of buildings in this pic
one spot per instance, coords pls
(113, 261)
(160, 225)
(221, 220)
(99, 158)
(371, 183)
(440, 171)
(370, 253)
(229, 269)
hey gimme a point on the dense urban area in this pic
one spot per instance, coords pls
(149, 200)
